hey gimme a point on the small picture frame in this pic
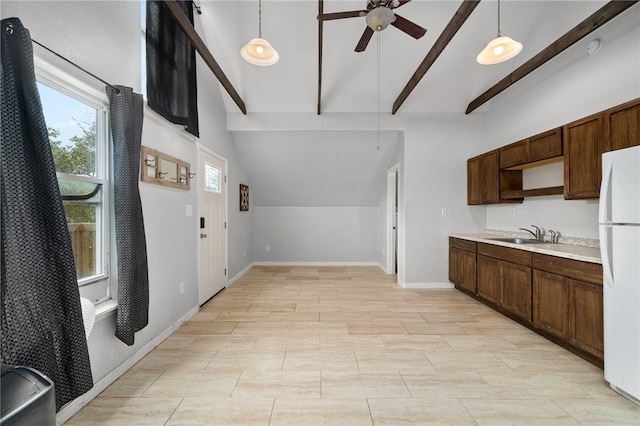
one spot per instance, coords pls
(244, 198)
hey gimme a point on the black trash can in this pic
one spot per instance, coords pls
(28, 397)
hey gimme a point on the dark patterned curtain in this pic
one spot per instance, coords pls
(42, 323)
(126, 115)
(171, 66)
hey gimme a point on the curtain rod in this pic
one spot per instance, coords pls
(76, 65)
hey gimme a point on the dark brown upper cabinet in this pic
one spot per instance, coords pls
(583, 148)
(622, 126)
(532, 151)
(483, 181)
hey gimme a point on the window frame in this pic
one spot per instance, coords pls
(94, 97)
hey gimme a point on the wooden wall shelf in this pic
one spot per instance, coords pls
(536, 192)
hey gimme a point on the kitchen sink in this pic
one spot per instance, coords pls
(518, 240)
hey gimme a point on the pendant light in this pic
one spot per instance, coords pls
(259, 51)
(499, 49)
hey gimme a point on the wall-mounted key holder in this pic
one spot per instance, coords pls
(163, 169)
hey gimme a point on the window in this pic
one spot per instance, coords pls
(77, 120)
(212, 179)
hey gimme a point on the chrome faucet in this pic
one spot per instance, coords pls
(554, 235)
(538, 232)
(537, 235)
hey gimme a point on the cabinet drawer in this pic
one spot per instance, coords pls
(545, 145)
(462, 244)
(583, 271)
(505, 253)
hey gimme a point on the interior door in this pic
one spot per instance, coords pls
(213, 211)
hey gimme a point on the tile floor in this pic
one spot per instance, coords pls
(348, 346)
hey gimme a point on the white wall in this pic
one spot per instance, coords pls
(435, 177)
(316, 234)
(570, 86)
(104, 38)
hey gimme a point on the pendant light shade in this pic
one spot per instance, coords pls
(499, 49)
(259, 51)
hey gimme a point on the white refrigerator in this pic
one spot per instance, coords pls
(619, 217)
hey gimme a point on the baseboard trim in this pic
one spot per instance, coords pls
(76, 405)
(239, 274)
(426, 285)
(317, 264)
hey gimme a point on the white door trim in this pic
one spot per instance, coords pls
(226, 211)
(392, 234)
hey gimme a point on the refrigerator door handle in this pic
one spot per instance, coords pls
(605, 245)
(605, 193)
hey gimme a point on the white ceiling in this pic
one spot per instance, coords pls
(349, 84)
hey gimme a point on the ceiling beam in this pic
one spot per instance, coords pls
(447, 35)
(593, 22)
(198, 44)
(320, 32)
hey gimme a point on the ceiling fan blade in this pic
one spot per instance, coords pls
(342, 15)
(364, 40)
(414, 30)
(401, 3)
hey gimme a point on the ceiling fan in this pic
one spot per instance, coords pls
(379, 14)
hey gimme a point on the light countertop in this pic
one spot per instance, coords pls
(569, 251)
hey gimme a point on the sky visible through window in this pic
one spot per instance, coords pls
(63, 113)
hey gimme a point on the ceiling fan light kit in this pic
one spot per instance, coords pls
(259, 51)
(500, 49)
(379, 18)
(379, 14)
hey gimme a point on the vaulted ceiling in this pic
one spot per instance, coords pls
(350, 80)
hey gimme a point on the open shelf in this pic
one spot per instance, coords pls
(536, 192)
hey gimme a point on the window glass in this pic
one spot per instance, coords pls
(212, 179)
(78, 137)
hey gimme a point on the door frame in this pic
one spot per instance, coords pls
(202, 148)
(392, 234)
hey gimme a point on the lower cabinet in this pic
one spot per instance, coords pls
(462, 264)
(558, 297)
(586, 320)
(504, 278)
(567, 302)
(551, 303)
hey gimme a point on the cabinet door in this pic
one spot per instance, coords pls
(622, 125)
(489, 279)
(490, 178)
(468, 270)
(474, 181)
(586, 321)
(516, 289)
(545, 145)
(514, 154)
(454, 265)
(551, 303)
(583, 148)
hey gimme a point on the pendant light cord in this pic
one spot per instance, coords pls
(499, 33)
(378, 83)
(260, 19)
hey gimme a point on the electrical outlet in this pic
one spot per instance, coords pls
(181, 288)
(267, 248)
(444, 212)
(513, 212)
(244, 253)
